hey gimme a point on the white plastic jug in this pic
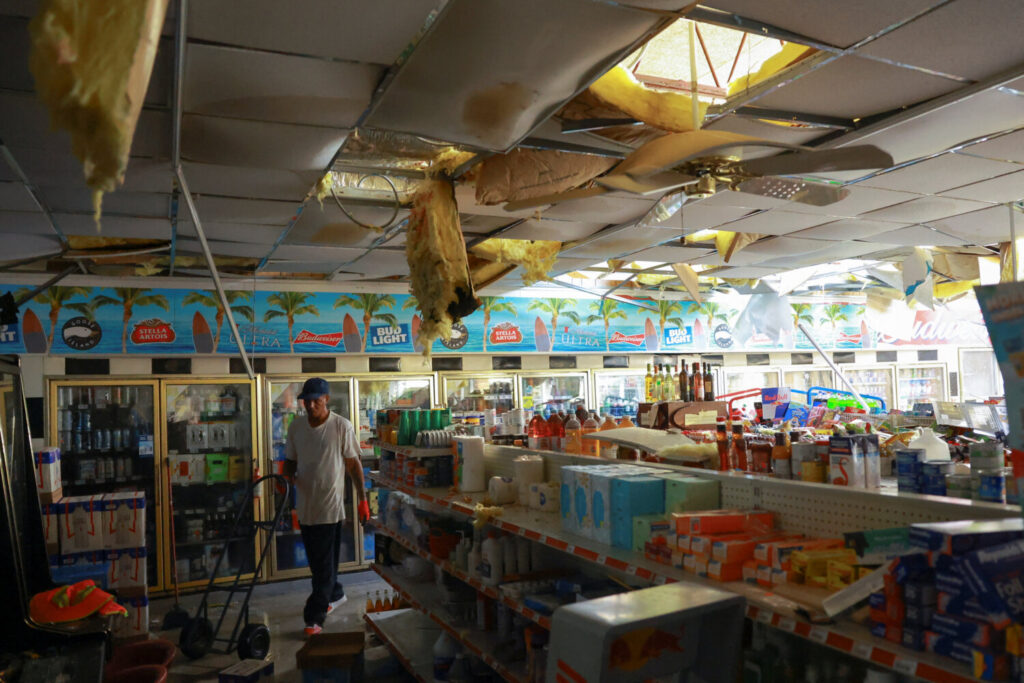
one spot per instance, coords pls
(934, 447)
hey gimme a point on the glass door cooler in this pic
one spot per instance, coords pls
(289, 555)
(210, 435)
(980, 379)
(803, 378)
(472, 394)
(387, 392)
(619, 392)
(921, 384)
(875, 380)
(742, 379)
(554, 390)
(105, 432)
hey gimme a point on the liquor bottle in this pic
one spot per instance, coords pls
(684, 383)
(709, 384)
(739, 448)
(668, 385)
(649, 385)
(656, 393)
(697, 383)
(722, 441)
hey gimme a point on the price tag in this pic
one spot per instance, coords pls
(659, 580)
(905, 666)
(631, 570)
(819, 634)
(601, 559)
(764, 616)
(787, 624)
(570, 549)
(863, 650)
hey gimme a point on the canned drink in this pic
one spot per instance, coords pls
(908, 484)
(129, 469)
(126, 438)
(86, 421)
(937, 467)
(905, 468)
(76, 442)
(958, 485)
(990, 486)
(934, 484)
(119, 468)
(116, 443)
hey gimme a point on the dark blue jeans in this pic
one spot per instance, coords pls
(323, 550)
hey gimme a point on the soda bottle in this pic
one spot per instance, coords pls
(556, 433)
(591, 446)
(537, 433)
(378, 605)
(722, 441)
(739, 448)
(608, 449)
(573, 435)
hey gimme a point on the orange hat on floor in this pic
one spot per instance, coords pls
(71, 603)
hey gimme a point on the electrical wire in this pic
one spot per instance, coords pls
(395, 208)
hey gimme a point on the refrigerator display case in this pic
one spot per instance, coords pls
(210, 433)
(875, 380)
(921, 384)
(288, 552)
(383, 392)
(105, 430)
(557, 390)
(803, 378)
(741, 379)
(465, 393)
(980, 378)
(619, 392)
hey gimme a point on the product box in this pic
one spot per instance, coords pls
(994, 576)
(913, 637)
(957, 538)
(247, 671)
(683, 542)
(47, 464)
(238, 470)
(690, 494)
(137, 621)
(74, 567)
(652, 529)
(810, 564)
(876, 600)
(919, 615)
(920, 592)
(872, 460)
(725, 571)
(51, 527)
(568, 483)
(581, 491)
(702, 544)
(776, 554)
(81, 524)
(124, 520)
(181, 468)
(764, 576)
(961, 605)
(846, 461)
(910, 567)
(599, 501)
(878, 546)
(633, 496)
(976, 633)
(750, 571)
(216, 467)
(127, 568)
(739, 550)
(724, 522)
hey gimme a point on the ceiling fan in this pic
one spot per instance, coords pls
(702, 162)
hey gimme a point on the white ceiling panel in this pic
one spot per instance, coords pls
(233, 142)
(60, 168)
(563, 231)
(380, 263)
(853, 87)
(14, 197)
(836, 252)
(1008, 147)
(713, 258)
(919, 236)
(701, 215)
(924, 209)
(257, 183)
(726, 197)
(840, 24)
(236, 249)
(669, 254)
(28, 246)
(618, 243)
(744, 125)
(14, 49)
(281, 266)
(114, 226)
(860, 200)
(79, 200)
(465, 198)
(605, 209)
(24, 222)
(745, 272)
(233, 232)
(360, 30)
(940, 173)
(947, 39)
(326, 253)
(231, 210)
(482, 224)
(232, 82)
(1006, 188)
(774, 222)
(987, 112)
(330, 226)
(567, 265)
(786, 246)
(847, 229)
(987, 226)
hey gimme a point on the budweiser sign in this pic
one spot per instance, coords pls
(152, 331)
(505, 333)
(307, 337)
(935, 328)
(633, 339)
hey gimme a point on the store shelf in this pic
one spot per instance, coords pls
(765, 606)
(415, 451)
(423, 597)
(489, 591)
(410, 636)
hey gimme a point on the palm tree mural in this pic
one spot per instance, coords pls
(494, 304)
(86, 309)
(289, 305)
(128, 298)
(556, 307)
(369, 304)
(607, 310)
(411, 302)
(710, 310)
(668, 312)
(56, 298)
(802, 314)
(211, 300)
(834, 314)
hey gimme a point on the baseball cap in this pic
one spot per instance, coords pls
(314, 387)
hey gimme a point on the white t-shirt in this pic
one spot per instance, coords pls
(319, 454)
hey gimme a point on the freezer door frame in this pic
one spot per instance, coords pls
(888, 367)
(920, 366)
(599, 372)
(587, 393)
(783, 369)
(444, 377)
(960, 368)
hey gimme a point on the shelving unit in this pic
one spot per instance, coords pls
(799, 509)
(410, 636)
(480, 643)
(415, 451)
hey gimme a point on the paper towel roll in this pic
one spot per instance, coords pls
(469, 463)
(544, 496)
(528, 469)
(502, 490)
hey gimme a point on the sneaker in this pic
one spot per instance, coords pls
(337, 603)
(313, 629)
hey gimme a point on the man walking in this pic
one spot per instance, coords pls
(320, 450)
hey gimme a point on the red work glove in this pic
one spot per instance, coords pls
(364, 511)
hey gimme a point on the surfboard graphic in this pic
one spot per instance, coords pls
(540, 335)
(651, 335)
(32, 333)
(353, 342)
(699, 342)
(202, 338)
(865, 336)
(415, 327)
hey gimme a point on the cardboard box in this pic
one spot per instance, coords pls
(651, 528)
(127, 568)
(682, 414)
(334, 657)
(182, 469)
(976, 633)
(957, 538)
(81, 524)
(878, 546)
(74, 567)
(725, 571)
(137, 621)
(634, 496)
(703, 544)
(846, 461)
(690, 494)
(247, 671)
(599, 501)
(750, 571)
(723, 521)
(51, 527)
(124, 520)
(568, 484)
(51, 497)
(47, 464)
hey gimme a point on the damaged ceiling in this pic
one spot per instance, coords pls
(273, 98)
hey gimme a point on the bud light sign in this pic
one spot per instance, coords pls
(389, 335)
(679, 335)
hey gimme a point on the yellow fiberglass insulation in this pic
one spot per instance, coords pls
(536, 257)
(438, 265)
(787, 56)
(91, 62)
(664, 109)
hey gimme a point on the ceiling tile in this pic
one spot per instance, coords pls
(284, 266)
(483, 224)
(232, 82)
(852, 87)
(230, 210)
(960, 28)
(743, 199)
(847, 229)
(841, 24)
(233, 232)
(329, 226)
(563, 231)
(465, 199)
(25, 222)
(668, 254)
(940, 173)
(774, 222)
(836, 252)
(114, 226)
(987, 226)
(756, 128)
(380, 263)
(236, 249)
(701, 215)
(924, 209)
(606, 210)
(373, 31)
(234, 142)
(744, 272)
(256, 183)
(14, 197)
(325, 253)
(786, 246)
(713, 258)
(61, 169)
(29, 246)
(1006, 188)
(860, 200)
(919, 235)
(618, 243)
(14, 50)
(119, 203)
(1008, 147)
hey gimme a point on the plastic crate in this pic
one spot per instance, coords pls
(216, 468)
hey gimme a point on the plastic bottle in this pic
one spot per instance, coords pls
(510, 560)
(444, 657)
(573, 435)
(491, 559)
(649, 385)
(537, 433)
(608, 449)
(523, 555)
(739, 448)
(934, 447)
(590, 446)
(473, 559)
(722, 440)
(369, 604)
(556, 433)
(782, 457)
(582, 413)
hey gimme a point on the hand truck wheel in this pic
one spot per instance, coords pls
(254, 642)
(196, 637)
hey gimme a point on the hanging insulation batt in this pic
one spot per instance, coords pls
(528, 173)
(664, 109)
(536, 257)
(91, 62)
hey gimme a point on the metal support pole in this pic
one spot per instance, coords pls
(213, 269)
(839, 373)
(1013, 240)
(694, 106)
(46, 285)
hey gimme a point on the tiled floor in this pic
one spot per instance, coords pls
(279, 605)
